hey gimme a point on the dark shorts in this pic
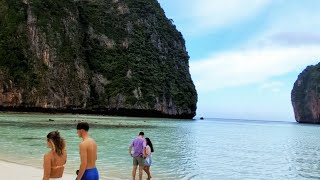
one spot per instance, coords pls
(138, 161)
(91, 174)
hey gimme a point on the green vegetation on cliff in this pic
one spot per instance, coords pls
(95, 55)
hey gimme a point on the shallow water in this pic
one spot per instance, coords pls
(184, 149)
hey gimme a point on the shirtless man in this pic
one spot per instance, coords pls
(88, 154)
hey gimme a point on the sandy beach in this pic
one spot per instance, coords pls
(13, 171)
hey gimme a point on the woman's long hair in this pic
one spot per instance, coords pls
(150, 144)
(58, 143)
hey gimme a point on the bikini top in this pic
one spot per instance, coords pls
(57, 167)
(56, 164)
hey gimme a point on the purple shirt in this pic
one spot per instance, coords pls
(138, 144)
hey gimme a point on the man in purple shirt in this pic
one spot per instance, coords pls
(139, 146)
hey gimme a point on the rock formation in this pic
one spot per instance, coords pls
(117, 57)
(305, 95)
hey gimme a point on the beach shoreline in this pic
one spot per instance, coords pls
(13, 171)
(10, 170)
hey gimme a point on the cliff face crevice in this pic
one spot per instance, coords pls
(119, 57)
(305, 96)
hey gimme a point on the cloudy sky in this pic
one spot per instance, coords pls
(245, 55)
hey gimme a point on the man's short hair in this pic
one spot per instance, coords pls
(141, 134)
(83, 125)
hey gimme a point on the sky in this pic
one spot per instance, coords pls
(245, 55)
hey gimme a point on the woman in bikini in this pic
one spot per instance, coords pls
(148, 157)
(54, 160)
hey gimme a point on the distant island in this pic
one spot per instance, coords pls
(305, 96)
(105, 57)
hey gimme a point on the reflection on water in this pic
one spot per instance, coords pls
(184, 149)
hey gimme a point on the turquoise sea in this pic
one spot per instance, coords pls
(184, 149)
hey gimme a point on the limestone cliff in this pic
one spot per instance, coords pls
(305, 95)
(117, 57)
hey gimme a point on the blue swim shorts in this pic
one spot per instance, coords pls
(91, 174)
